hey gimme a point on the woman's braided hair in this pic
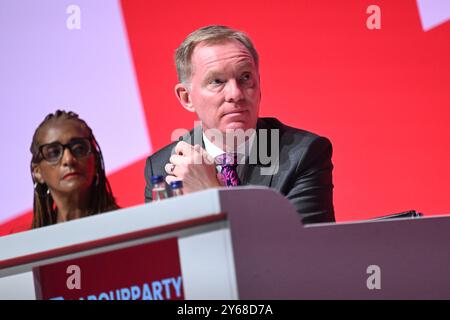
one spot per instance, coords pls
(101, 198)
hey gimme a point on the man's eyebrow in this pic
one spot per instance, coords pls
(240, 65)
(212, 74)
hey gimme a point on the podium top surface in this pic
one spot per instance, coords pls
(121, 225)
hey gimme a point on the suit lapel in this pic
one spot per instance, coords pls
(257, 173)
(195, 136)
(252, 176)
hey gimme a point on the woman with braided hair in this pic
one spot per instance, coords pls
(68, 171)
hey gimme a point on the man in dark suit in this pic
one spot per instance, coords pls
(218, 70)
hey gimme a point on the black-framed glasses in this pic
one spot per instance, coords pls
(53, 152)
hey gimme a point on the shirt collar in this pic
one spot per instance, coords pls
(215, 151)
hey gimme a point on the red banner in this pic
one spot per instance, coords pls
(144, 272)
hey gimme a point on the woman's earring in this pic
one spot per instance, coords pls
(38, 188)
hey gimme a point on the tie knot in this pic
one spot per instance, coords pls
(228, 162)
(227, 159)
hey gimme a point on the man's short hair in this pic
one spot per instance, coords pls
(212, 34)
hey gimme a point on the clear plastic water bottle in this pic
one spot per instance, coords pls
(177, 188)
(159, 188)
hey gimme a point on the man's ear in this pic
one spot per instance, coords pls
(184, 97)
(37, 176)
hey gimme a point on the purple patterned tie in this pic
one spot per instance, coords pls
(228, 161)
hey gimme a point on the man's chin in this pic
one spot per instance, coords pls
(238, 125)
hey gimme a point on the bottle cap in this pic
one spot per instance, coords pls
(176, 184)
(157, 179)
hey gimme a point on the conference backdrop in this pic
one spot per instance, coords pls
(372, 76)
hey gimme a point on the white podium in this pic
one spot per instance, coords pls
(239, 243)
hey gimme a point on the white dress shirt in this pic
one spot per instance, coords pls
(215, 151)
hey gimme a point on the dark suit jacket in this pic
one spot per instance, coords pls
(304, 173)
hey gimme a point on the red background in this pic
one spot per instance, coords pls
(381, 96)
